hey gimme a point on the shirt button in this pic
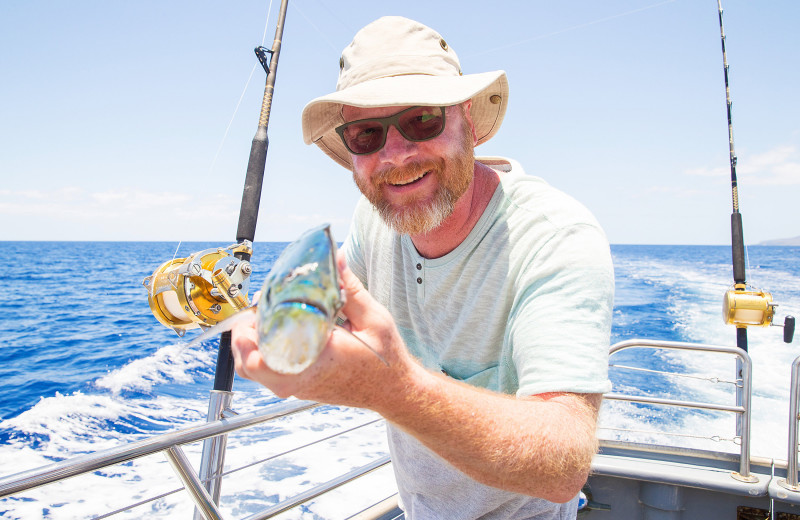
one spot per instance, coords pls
(419, 267)
(419, 280)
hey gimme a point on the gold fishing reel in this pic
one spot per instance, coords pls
(745, 308)
(200, 290)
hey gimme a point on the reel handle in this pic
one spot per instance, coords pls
(788, 329)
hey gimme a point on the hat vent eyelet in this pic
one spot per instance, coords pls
(443, 43)
(341, 63)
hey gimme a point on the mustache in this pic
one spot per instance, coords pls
(395, 174)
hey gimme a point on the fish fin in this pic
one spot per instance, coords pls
(223, 326)
(365, 344)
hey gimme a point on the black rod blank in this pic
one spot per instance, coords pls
(737, 232)
(251, 196)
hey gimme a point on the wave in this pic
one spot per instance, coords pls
(684, 297)
(123, 408)
(169, 364)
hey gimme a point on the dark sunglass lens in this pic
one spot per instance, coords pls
(363, 137)
(422, 123)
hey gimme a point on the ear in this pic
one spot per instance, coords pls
(467, 106)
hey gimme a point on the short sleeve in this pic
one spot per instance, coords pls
(560, 325)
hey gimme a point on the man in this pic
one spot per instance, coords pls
(488, 293)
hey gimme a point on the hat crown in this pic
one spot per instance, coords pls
(395, 46)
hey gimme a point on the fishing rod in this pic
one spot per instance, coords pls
(743, 305)
(211, 285)
(251, 194)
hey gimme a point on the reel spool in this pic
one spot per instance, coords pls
(746, 308)
(200, 290)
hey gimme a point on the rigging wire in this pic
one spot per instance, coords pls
(716, 438)
(714, 380)
(234, 470)
(324, 37)
(333, 14)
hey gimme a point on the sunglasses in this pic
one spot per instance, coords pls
(366, 136)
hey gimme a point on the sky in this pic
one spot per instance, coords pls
(133, 120)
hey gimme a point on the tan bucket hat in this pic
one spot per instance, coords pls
(395, 61)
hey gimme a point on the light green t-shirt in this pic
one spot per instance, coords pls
(522, 306)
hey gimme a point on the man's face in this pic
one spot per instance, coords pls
(415, 185)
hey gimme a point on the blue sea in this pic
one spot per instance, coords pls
(85, 366)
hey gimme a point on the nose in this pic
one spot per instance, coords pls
(397, 148)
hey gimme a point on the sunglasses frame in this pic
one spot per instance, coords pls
(386, 122)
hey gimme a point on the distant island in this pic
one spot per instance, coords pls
(781, 242)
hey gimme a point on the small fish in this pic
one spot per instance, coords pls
(299, 302)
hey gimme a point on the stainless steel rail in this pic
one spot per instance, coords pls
(213, 457)
(169, 444)
(206, 507)
(742, 409)
(791, 480)
(322, 488)
(203, 498)
(86, 463)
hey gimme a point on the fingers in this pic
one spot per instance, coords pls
(244, 347)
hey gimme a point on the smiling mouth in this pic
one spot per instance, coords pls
(410, 181)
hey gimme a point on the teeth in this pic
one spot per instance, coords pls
(410, 181)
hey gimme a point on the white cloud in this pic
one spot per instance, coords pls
(777, 166)
(708, 172)
(79, 202)
(672, 191)
(74, 213)
(129, 213)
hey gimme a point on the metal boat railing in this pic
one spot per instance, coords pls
(791, 480)
(170, 444)
(742, 408)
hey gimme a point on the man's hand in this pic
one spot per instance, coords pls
(346, 372)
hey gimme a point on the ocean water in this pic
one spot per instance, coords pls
(86, 366)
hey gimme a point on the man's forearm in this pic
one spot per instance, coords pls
(540, 446)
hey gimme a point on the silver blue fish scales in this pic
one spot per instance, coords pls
(299, 302)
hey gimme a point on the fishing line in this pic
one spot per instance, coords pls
(574, 27)
(228, 323)
(269, 10)
(241, 97)
(176, 250)
(363, 343)
(233, 117)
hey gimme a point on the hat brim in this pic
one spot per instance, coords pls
(488, 92)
